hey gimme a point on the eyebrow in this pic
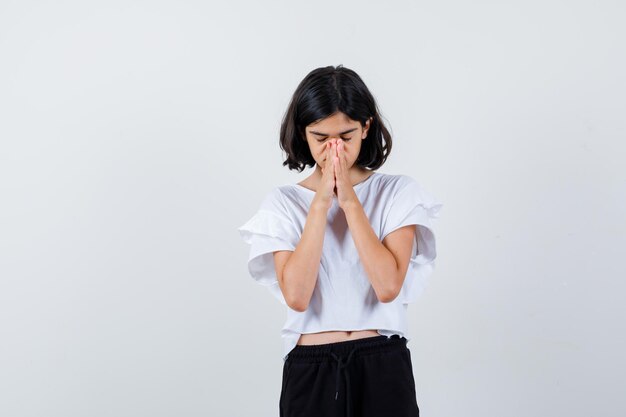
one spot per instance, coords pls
(325, 134)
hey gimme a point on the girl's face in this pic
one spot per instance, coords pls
(337, 126)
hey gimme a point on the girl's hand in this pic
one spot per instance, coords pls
(345, 190)
(324, 195)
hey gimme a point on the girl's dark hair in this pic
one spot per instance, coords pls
(323, 92)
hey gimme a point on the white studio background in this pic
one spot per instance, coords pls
(137, 136)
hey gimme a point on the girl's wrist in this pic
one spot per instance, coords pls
(319, 206)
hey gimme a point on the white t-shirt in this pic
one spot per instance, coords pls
(343, 298)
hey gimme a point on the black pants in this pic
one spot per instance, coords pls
(368, 377)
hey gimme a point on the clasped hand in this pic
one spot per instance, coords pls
(335, 178)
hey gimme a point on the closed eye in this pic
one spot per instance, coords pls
(344, 139)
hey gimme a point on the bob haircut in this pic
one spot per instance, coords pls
(323, 92)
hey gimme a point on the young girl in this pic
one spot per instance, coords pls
(345, 251)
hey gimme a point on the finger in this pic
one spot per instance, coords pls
(329, 161)
(340, 153)
(328, 154)
(344, 157)
(341, 150)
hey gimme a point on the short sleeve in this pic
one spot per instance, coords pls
(267, 231)
(412, 204)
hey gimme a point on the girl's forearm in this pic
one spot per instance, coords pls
(379, 263)
(301, 269)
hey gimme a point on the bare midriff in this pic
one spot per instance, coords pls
(334, 336)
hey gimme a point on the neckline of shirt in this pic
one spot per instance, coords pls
(355, 186)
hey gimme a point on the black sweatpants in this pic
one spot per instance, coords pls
(368, 377)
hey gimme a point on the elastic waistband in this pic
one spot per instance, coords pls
(316, 353)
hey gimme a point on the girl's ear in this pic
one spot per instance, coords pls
(367, 127)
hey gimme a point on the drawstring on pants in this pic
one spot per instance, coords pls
(322, 356)
(343, 365)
